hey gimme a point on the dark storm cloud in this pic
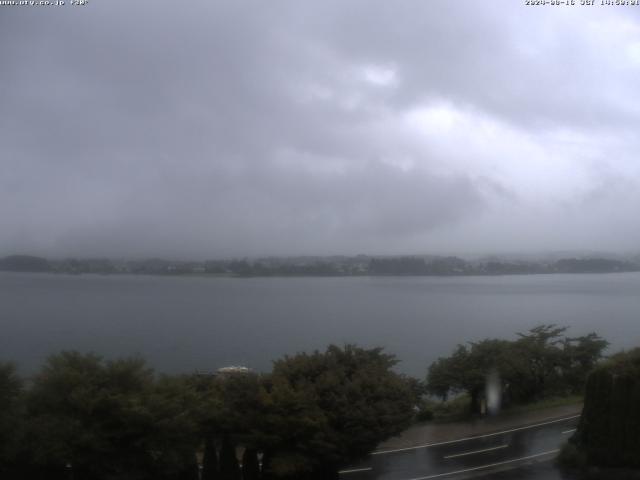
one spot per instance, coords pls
(230, 128)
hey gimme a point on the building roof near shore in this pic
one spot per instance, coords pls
(233, 369)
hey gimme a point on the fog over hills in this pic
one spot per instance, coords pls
(230, 129)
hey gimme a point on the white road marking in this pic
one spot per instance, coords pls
(569, 431)
(477, 451)
(497, 464)
(486, 435)
(354, 470)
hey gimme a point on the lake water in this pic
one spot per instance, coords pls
(182, 324)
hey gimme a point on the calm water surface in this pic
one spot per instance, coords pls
(181, 324)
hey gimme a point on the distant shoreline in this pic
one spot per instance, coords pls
(337, 266)
(363, 275)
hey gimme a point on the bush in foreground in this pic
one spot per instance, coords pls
(608, 435)
(609, 430)
(117, 420)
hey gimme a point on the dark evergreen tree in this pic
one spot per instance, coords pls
(581, 355)
(189, 468)
(329, 409)
(250, 467)
(110, 420)
(609, 430)
(11, 420)
(210, 461)
(229, 467)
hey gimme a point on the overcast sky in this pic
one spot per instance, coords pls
(211, 128)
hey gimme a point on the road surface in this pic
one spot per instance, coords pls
(482, 455)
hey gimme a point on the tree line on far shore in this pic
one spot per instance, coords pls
(322, 266)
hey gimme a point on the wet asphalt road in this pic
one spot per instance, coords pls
(514, 453)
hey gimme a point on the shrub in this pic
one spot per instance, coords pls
(424, 415)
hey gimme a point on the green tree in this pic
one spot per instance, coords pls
(608, 434)
(582, 354)
(230, 406)
(250, 466)
(210, 461)
(441, 379)
(538, 361)
(229, 467)
(109, 420)
(175, 433)
(331, 408)
(240, 397)
(11, 420)
(466, 370)
(541, 362)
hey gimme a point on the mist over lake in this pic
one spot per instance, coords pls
(197, 323)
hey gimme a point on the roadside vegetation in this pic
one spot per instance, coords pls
(459, 408)
(541, 365)
(85, 417)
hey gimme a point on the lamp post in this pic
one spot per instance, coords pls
(200, 460)
(260, 456)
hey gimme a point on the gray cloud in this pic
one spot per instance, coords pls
(232, 128)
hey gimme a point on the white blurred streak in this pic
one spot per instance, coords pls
(493, 392)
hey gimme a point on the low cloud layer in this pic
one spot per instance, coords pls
(211, 129)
